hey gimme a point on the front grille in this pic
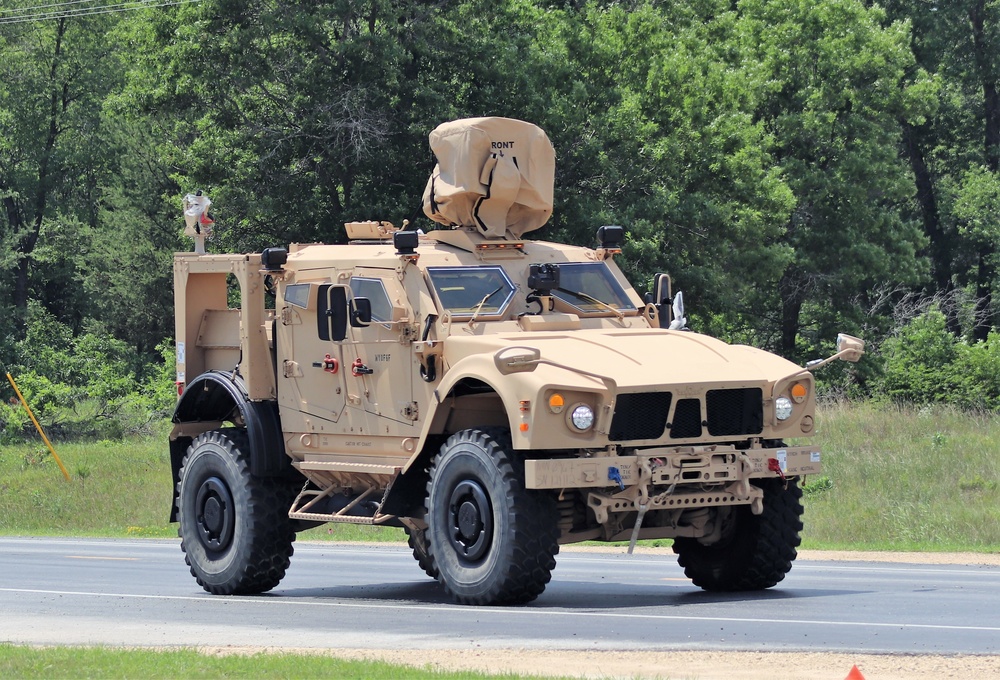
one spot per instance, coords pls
(730, 413)
(735, 412)
(640, 416)
(687, 419)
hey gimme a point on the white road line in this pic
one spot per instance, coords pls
(458, 609)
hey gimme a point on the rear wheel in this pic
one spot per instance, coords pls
(756, 551)
(491, 540)
(234, 527)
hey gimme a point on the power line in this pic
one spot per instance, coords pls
(90, 11)
(17, 10)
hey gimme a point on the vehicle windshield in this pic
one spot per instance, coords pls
(467, 291)
(594, 280)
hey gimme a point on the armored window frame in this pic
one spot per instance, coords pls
(580, 277)
(476, 283)
(374, 289)
(300, 295)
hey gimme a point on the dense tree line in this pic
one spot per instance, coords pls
(798, 166)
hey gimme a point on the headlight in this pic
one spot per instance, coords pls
(783, 408)
(582, 417)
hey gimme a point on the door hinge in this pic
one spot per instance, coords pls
(411, 411)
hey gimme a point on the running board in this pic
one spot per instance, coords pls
(308, 497)
(343, 519)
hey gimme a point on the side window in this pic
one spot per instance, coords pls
(298, 295)
(374, 290)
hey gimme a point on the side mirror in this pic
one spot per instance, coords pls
(661, 298)
(331, 312)
(361, 312)
(851, 346)
(517, 359)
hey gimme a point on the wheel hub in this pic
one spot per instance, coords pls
(470, 520)
(216, 514)
(469, 523)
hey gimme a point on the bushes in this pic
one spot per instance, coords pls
(924, 363)
(90, 385)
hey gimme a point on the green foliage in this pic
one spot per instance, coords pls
(924, 363)
(90, 385)
(919, 361)
(787, 162)
(816, 486)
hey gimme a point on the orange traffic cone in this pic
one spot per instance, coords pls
(855, 674)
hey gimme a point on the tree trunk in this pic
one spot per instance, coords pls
(941, 248)
(991, 146)
(991, 98)
(984, 294)
(29, 238)
(792, 291)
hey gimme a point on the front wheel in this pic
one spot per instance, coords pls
(417, 540)
(492, 541)
(756, 551)
(234, 527)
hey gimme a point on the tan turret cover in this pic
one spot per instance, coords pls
(495, 174)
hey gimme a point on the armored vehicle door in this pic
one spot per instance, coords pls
(309, 366)
(379, 359)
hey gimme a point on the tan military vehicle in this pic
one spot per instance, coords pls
(494, 396)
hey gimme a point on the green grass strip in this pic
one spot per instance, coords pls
(99, 662)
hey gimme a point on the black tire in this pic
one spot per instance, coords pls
(417, 540)
(491, 540)
(234, 527)
(756, 551)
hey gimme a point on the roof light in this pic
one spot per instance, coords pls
(405, 242)
(611, 237)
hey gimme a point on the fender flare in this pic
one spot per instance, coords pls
(215, 396)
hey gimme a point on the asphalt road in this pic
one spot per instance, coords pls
(139, 592)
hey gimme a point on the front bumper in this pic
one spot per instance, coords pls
(674, 478)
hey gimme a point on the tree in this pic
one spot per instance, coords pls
(838, 80)
(654, 132)
(54, 76)
(959, 42)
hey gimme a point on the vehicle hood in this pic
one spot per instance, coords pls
(636, 358)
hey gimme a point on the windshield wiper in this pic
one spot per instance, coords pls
(594, 301)
(482, 302)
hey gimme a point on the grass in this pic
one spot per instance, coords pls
(116, 488)
(99, 662)
(905, 479)
(894, 479)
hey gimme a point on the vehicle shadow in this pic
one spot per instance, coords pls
(566, 595)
